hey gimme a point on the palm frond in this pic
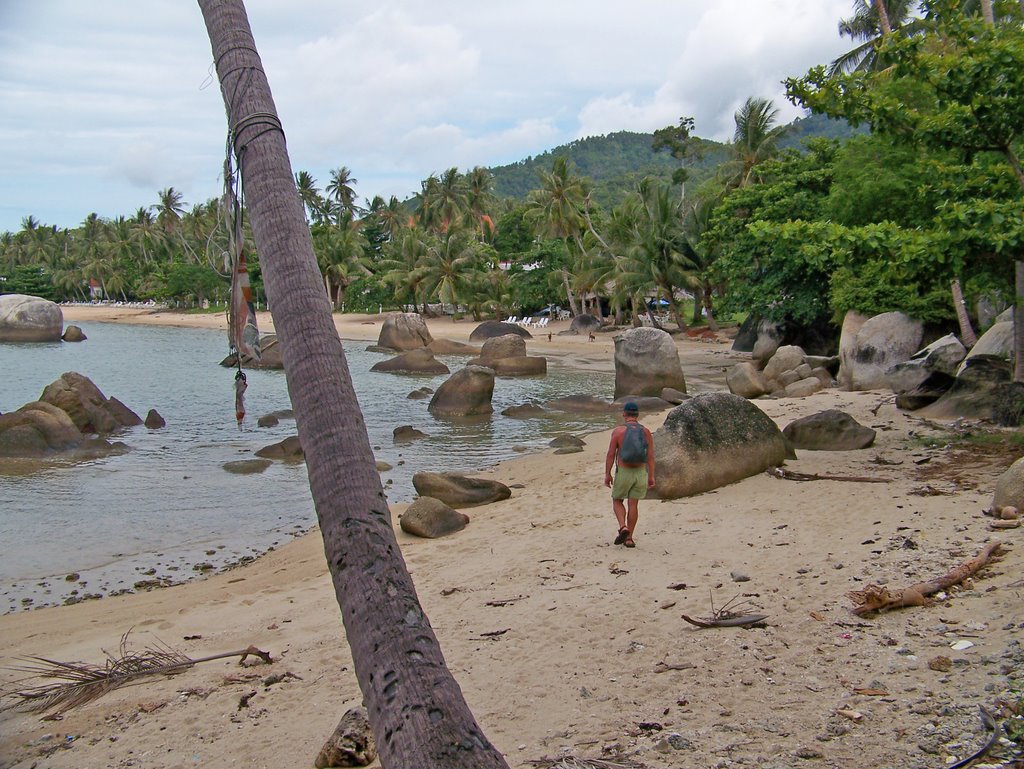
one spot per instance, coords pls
(571, 762)
(73, 684)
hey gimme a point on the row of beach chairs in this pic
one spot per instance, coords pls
(528, 322)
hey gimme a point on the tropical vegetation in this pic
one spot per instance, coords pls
(905, 179)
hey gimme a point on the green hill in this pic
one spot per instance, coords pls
(616, 162)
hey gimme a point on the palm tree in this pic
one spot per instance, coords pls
(754, 141)
(556, 211)
(480, 200)
(309, 195)
(418, 714)
(661, 245)
(451, 265)
(169, 210)
(403, 266)
(341, 255)
(872, 19)
(341, 189)
(451, 200)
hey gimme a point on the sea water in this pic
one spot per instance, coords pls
(166, 510)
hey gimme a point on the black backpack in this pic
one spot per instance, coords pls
(633, 450)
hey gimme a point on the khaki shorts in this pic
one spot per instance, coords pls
(630, 482)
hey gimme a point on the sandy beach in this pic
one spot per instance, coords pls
(566, 644)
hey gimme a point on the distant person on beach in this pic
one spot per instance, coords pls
(631, 453)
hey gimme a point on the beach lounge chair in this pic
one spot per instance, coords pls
(512, 319)
(526, 322)
(543, 322)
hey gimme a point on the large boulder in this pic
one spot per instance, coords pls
(585, 324)
(457, 490)
(35, 429)
(465, 393)
(869, 348)
(746, 380)
(978, 392)
(404, 331)
(711, 440)
(89, 409)
(767, 341)
(1009, 491)
(942, 356)
(646, 362)
(431, 518)
(504, 346)
(493, 328)
(418, 361)
(29, 319)
(997, 342)
(927, 392)
(786, 358)
(506, 354)
(831, 430)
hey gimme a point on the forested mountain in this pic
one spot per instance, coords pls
(616, 162)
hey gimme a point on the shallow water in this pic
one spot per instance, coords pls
(167, 508)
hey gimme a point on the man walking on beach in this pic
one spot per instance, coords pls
(631, 452)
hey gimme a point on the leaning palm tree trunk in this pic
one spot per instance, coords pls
(417, 711)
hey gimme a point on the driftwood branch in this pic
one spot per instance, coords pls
(73, 684)
(875, 598)
(793, 475)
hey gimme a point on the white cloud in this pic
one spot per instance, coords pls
(105, 104)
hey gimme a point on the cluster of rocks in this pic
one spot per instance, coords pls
(433, 514)
(885, 351)
(468, 392)
(72, 415)
(789, 372)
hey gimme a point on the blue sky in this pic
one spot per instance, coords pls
(106, 103)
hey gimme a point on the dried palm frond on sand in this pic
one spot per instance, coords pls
(571, 762)
(73, 684)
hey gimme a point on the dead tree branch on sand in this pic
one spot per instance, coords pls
(878, 598)
(793, 475)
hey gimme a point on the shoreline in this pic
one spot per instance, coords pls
(593, 658)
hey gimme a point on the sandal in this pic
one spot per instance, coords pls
(629, 542)
(622, 536)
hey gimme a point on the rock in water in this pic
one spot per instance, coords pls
(465, 393)
(646, 362)
(89, 409)
(74, 334)
(418, 361)
(154, 421)
(29, 319)
(404, 331)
